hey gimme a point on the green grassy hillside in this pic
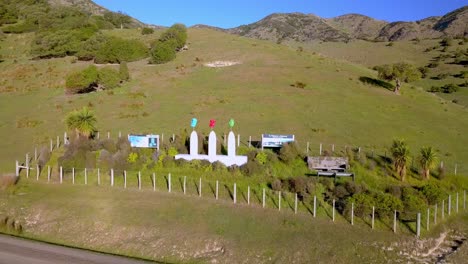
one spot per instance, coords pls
(334, 108)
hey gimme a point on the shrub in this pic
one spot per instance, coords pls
(289, 152)
(163, 52)
(441, 76)
(90, 47)
(413, 203)
(147, 31)
(363, 203)
(386, 204)
(123, 71)
(446, 42)
(434, 89)
(449, 88)
(298, 84)
(108, 78)
(117, 50)
(276, 185)
(424, 71)
(433, 193)
(176, 33)
(82, 81)
(261, 158)
(433, 65)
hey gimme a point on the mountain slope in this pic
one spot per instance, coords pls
(295, 26)
(89, 6)
(306, 28)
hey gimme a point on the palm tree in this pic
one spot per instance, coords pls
(82, 121)
(427, 160)
(401, 156)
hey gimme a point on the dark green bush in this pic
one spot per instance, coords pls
(276, 185)
(434, 89)
(147, 31)
(433, 193)
(363, 203)
(89, 48)
(449, 88)
(123, 71)
(108, 78)
(289, 152)
(413, 202)
(118, 19)
(21, 27)
(176, 33)
(163, 52)
(386, 204)
(116, 50)
(83, 81)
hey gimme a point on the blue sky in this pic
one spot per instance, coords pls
(233, 13)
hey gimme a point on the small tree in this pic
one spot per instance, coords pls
(147, 31)
(123, 71)
(401, 156)
(83, 122)
(427, 160)
(163, 52)
(398, 72)
(82, 81)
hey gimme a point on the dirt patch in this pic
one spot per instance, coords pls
(219, 64)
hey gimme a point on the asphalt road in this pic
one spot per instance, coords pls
(22, 251)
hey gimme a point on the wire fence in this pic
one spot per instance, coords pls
(252, 195)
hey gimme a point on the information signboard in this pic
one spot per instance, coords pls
(275, 141)
(144, 141)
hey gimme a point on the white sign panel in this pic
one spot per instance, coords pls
(144, 141)
(275, 141)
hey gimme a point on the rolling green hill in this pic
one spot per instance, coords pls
(333, 108)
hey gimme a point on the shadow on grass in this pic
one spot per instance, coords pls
(229, 191)
(257, 196)
(213, 191)
(376, 82)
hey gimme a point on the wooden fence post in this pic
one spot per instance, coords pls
(307, 149)
(112, 177)
(17, 169)
(235, 193)
(58, 141)
(248, 194)
(120, 134)
(435, 214)
(199, 188)
(61, 174)
(139, 180)
(320, 152)
(73, 175)
(279, 201)
(394, 222)
(352, 213)
(250, 141)
(263, 198)
(185, 184)
(449, 205)
(125, 179)
(108, 135)
(456, 203)
(333, 210)
(295, 203)
(238, 140)
(37, 172)
(333, 148)
(154, 182)
(48, 173)
(455, 169)
(86, 176)
(315, 206)
(418, 225)
(373, 216)
(51, 145)
(169, 189)
(98, 135)
(98, 175)
(35, 153)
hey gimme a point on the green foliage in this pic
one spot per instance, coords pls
(162, 52)
(400, 71)
(424, 71)
(413, 203)
(147, 31)
(117, 50)
(427, 159)
(386, 204)
(21, 27)
(401, 155)
(446, 42)
(449, 88)
(172, 152)
(433, 193)
(261, 158)
(289, 152)
(363, 203)
(177, 33)
(132, 157)
(123, 71)
(118, 19)
(108, 78)
(82, 81)
(89, 48)
(82, 121)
